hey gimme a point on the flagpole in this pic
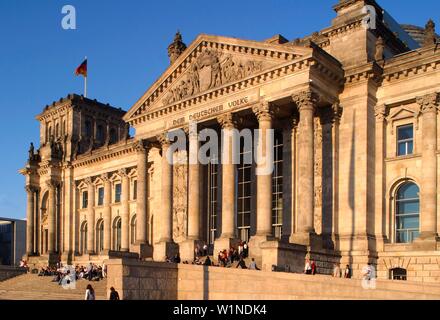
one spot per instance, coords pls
(85, 83)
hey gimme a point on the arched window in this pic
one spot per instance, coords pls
(117, 234)
(407, 213)
(83, 240)
(100, 236)
(133, 230)
(398, 274)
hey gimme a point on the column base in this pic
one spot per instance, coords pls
(144, 250)
(165, 249)
(309, 239)
(223, 243)
(187, 249)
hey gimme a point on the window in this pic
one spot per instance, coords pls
(398, 274)
(407, 213)
(100, 133)
(113, 136)
(133, 230)
(244, 198)
(277, 187)
(405, 140)
(88, 128)
(83, 245)
(135, 189)
(212, 199)
(85, 199)
(117, 234)
(100, 196)
(118, 193)
(100, 236)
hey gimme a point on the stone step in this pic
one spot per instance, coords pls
(33, 287)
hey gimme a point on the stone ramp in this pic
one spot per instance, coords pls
(135, 280)
(33, 287)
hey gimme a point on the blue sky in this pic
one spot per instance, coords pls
(125, 42)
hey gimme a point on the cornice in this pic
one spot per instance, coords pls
(369, 71)
(104, 155)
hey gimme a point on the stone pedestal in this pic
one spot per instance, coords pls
(255, 244)
(143, 249)
(187, 249)
(165, 249)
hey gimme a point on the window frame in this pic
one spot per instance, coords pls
(405, 141)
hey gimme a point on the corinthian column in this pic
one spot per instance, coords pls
(141, 197)
(193, 187)
(51, 218)
(90, 216)
(30, 212)
(305, 102)
(166, 246)
(264, 169)
(228, 186)
(107, 211)
(428, 223)
(125, 198)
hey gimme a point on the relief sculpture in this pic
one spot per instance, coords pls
(211, 69)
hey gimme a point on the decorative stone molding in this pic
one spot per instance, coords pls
(176, 48)
(428, 103)
(105, 177)
(31, 189)
(305, 99)
(227, 121)
(380, 112)
(52, 184)
(262, 111)
(140, 146)
(163, 139)
(123, 173)
(88, 181)
(337, 112)
(430, 36)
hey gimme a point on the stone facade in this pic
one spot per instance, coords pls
(339, 99)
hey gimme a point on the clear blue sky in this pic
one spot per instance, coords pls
(125, 42)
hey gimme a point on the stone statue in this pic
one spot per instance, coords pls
(380, 48)
(430, 37)
(176, 48)
(31, 151)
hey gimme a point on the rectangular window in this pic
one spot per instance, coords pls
(277, 187)
(85, 199)
(118, 193)
(405, 140)
(135, 189)
(100, 196)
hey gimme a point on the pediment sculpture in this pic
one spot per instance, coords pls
(210, 70)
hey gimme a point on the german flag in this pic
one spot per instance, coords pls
(82, 69)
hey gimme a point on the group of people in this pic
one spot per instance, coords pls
(310, 267)
(92, 272)
(338, 273)
(228, 257)
(90, 293)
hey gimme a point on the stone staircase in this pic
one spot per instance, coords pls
(33, 287)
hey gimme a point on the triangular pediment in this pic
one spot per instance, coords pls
(211, 62)
(402, 113)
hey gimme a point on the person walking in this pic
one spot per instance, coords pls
(241, 263)
(90, 293)
(114, 295)
(207, 262)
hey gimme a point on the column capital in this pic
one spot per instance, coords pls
(141, 145)
(163, 139)
(428, 103)
(380, 112)
(262, 111)
(337, 111)
(306, 99)
(227, 121)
